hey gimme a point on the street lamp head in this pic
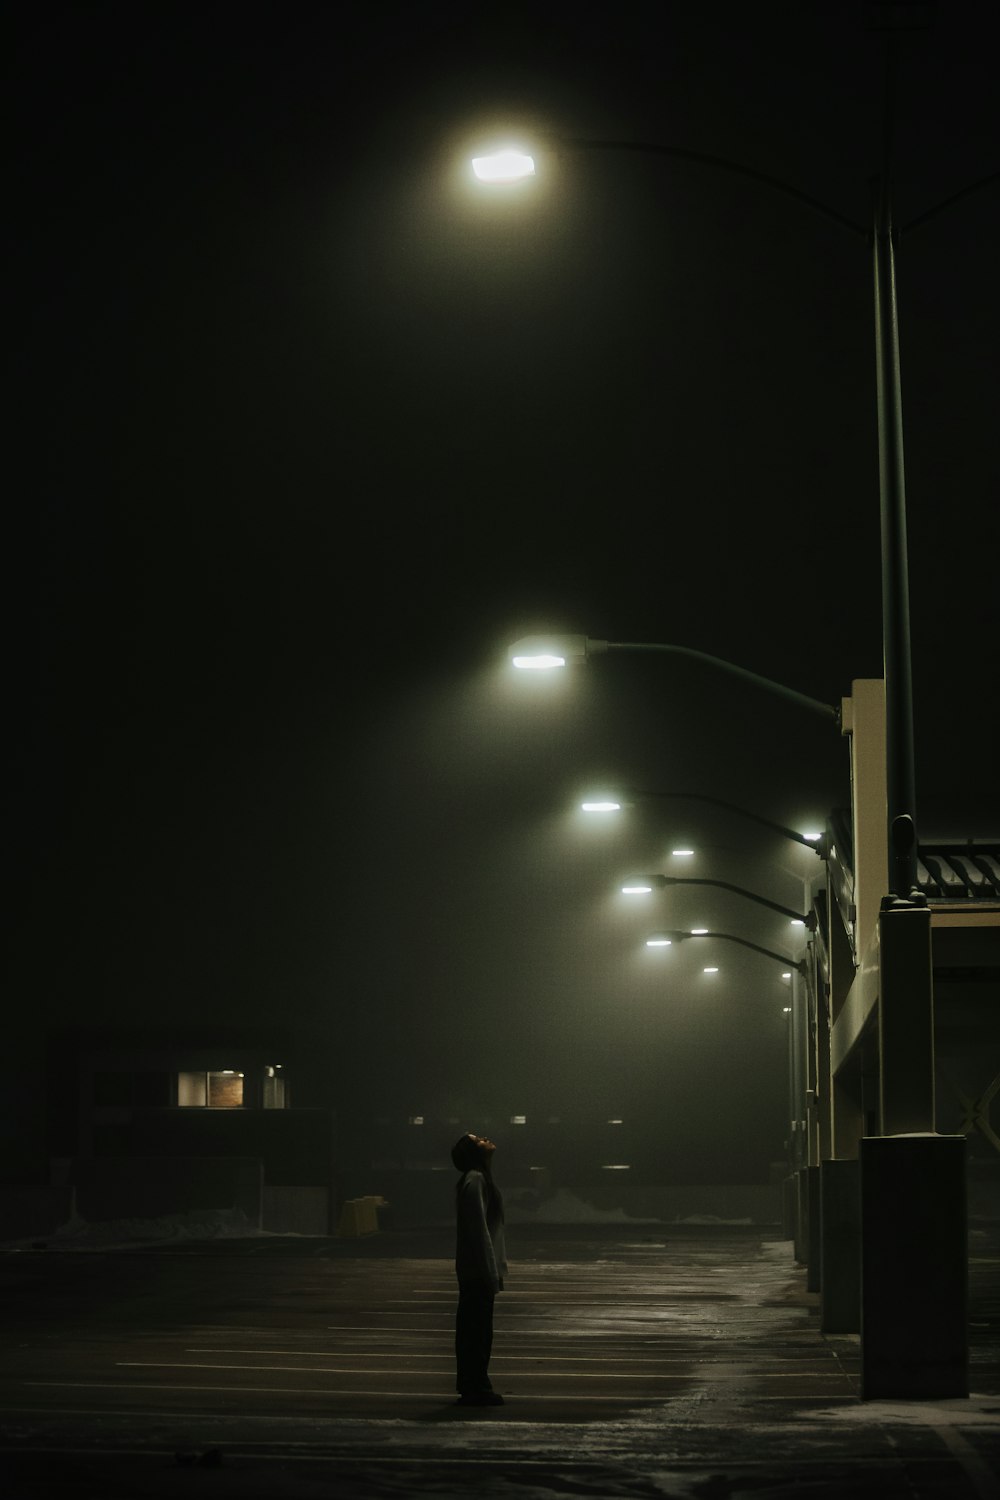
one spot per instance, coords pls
(643, 885)
(601, 805)
(540, 653)
(503, 167)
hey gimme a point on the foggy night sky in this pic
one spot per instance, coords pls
(306, 432)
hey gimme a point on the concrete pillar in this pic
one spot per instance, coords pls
(814, 1259)
(789, 1200)
(824, 1076)
(801, 1247)
(906, 1021)
(863, 718)
(840, 1251)
(914, 1267)
(848, 1115)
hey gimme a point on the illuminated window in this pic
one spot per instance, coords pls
(519, 1119)
(416, 1119)
(222, 1089)
(274, 1093)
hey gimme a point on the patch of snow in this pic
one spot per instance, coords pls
(708, 1219)
(960, 1411)
(565, 1207)
(199, 1224)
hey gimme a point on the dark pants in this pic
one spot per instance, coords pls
(473, 1337)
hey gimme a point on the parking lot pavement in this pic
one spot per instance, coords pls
(652, 1361)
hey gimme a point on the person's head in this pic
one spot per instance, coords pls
(472, 1152)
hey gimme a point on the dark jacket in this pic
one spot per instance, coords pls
(480, 1254)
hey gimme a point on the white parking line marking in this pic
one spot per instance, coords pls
(285, 1390)
(569, 1359)
(143, 1364)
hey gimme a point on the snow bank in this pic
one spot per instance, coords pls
(199, 1224)
(565, 1207)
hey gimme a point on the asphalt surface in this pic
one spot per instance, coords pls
(653, 1361)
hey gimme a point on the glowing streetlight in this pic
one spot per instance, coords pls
(541, 661)
(543, 653)
(504, 166)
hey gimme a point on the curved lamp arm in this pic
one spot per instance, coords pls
(791, 695)
(781, 958)
(660, 882)
(681, 153)
(542, 652)
(817, 845)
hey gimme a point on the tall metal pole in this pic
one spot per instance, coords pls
(900, 774)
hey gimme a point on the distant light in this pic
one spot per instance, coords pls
(682, 853)
(614, 1122)
(618, 1166)
(600, 807)
(710, 971)
(813, 838)
(786, 1010)
(544, 661)
(797, 922)
(503, 166)
(699, 932)
(657, 942)
(416, 1119)
(519, 1119)
(636, 890)
(787, 975)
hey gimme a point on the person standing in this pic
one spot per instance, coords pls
(480, 1265)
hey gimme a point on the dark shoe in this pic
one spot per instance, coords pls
(481, 1398)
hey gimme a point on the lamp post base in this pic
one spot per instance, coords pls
(914, 1267)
